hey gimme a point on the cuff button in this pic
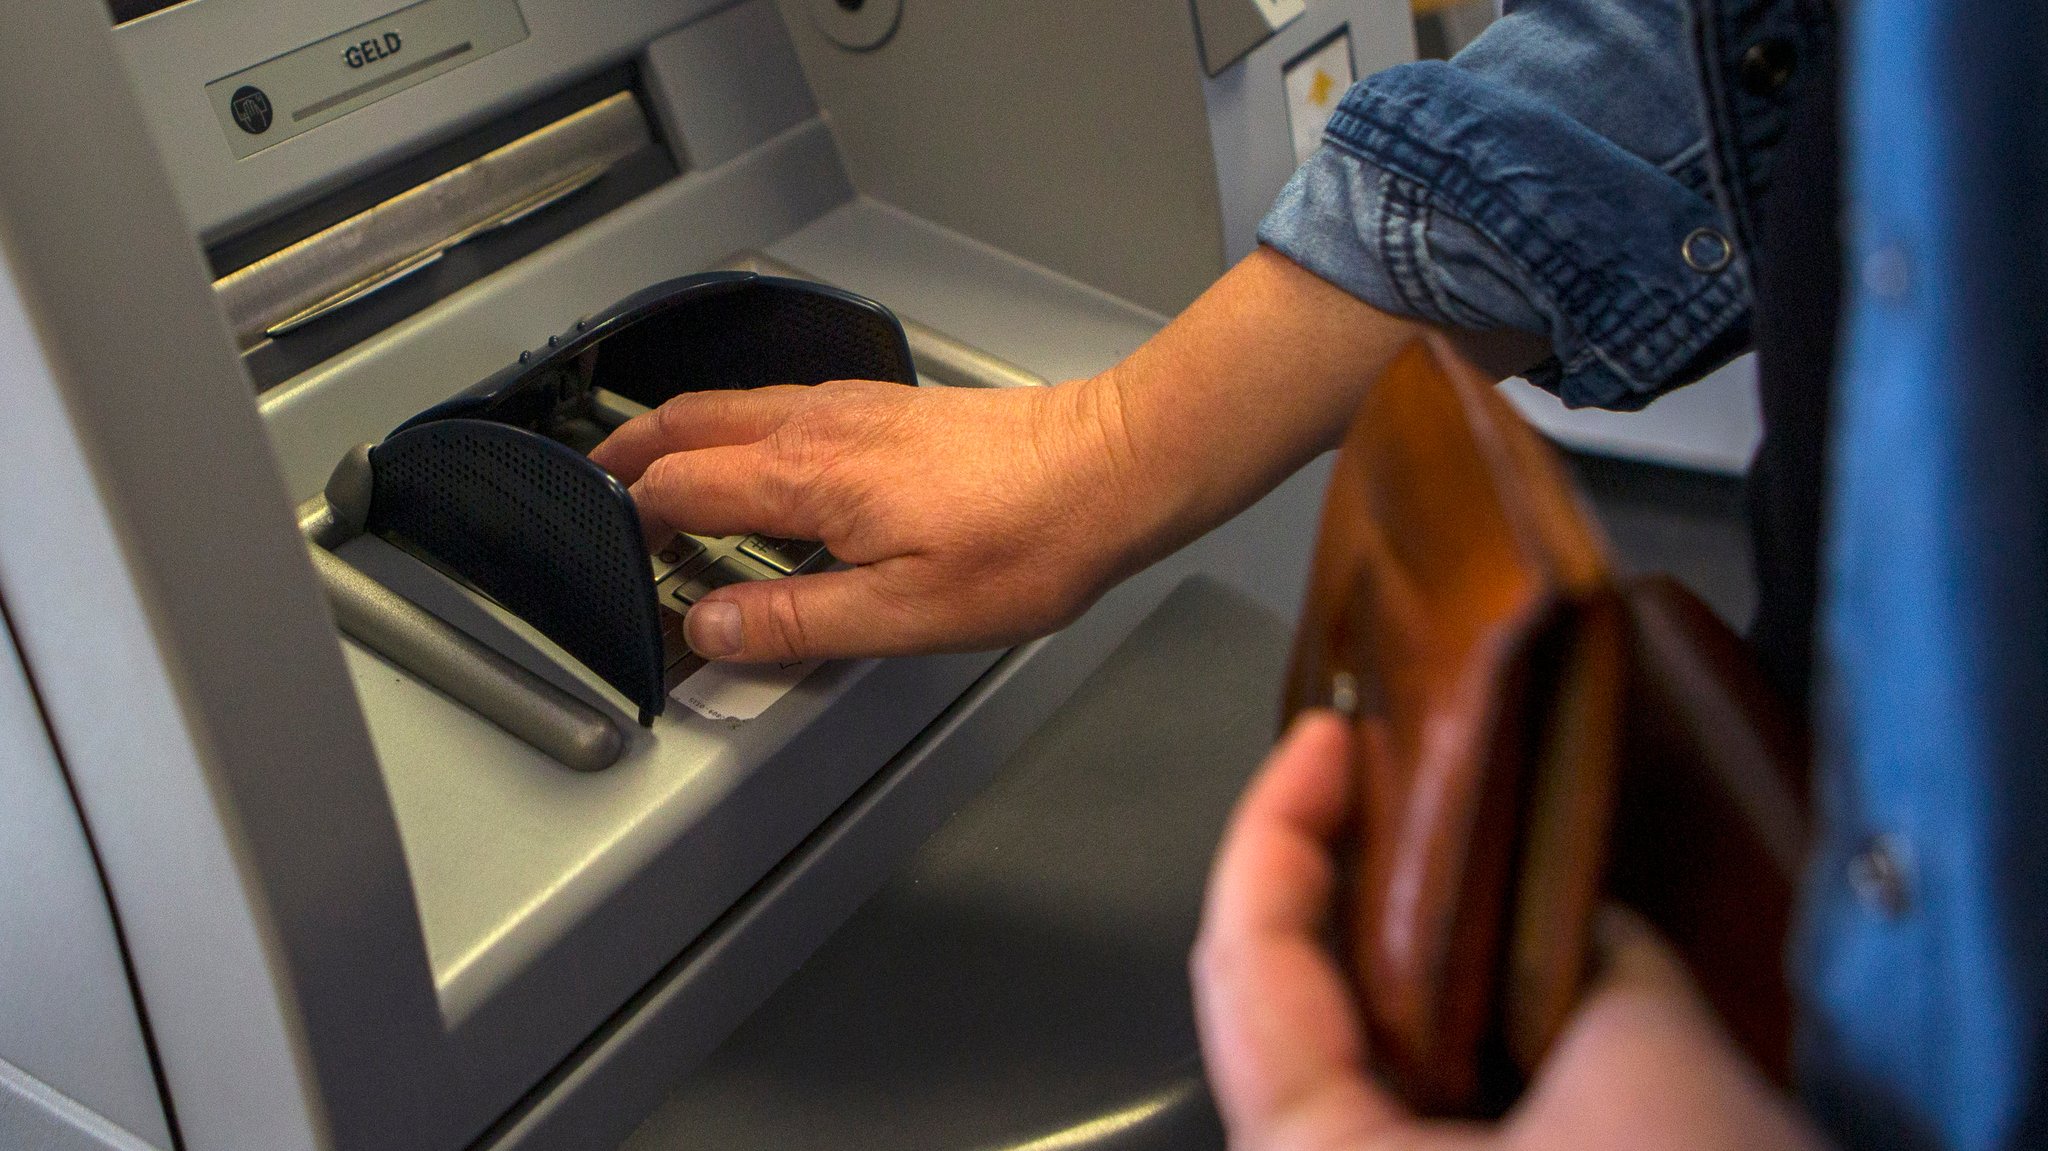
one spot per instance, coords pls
(1706, 250)
(1878, 875)
(1767, 67)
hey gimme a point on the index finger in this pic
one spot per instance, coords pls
(695, 420)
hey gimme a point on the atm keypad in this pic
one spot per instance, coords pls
(689, 567)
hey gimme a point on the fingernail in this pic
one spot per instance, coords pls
(713, 629)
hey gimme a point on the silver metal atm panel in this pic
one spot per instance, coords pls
(162, 602)
(1072, 132)
(72, 1052)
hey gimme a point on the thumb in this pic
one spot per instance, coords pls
(1280, 1039)
(829, 615)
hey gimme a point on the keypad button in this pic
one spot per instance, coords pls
(782, 554)
(674, 554)
(727, 570)
(673, 646)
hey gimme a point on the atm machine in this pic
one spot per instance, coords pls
(267, 886)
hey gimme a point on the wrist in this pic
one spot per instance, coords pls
(1130, 493)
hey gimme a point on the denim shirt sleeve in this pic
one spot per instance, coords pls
(1555, 179)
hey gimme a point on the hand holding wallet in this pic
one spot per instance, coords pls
(1535, 734)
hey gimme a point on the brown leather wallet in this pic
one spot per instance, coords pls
(1535, 734)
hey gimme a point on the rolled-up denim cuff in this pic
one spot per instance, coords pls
(1635, 274)
(1440, 196)
(1344, 218)
(1328, 219)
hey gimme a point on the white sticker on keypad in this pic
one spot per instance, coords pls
(739, 691)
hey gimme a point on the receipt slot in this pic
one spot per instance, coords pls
(276, 883)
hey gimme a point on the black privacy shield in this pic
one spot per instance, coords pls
(494, 487)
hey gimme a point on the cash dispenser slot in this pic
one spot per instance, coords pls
(302, 289)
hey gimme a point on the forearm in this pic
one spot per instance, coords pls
(942, 500)
(1257, 377)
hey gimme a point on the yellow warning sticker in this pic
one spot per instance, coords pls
(1315, 83)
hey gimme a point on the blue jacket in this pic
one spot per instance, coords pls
(1590, 170)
